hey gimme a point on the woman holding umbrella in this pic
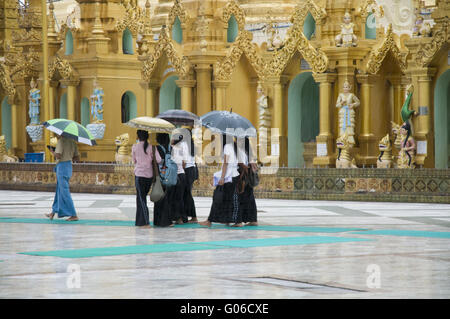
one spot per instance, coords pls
(225, 208)
(65, 152)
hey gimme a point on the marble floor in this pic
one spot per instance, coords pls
(340, 250)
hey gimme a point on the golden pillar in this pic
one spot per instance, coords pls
(279, 121)
(367, 141)
(221, 90)
(324, 141)
(51, 98)
(203, 88)
(14, 137)
(186, 87)
(423, 127)
(71, 97)
(151, 90)
(45, 89)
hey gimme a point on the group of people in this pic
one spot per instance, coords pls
(235, 207)
(237, 204)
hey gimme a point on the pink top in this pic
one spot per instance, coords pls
(143, 162)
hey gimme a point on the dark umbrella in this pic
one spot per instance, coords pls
(179, 117)
(229, 123)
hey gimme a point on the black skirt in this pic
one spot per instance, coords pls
(175, 196)
(227, 211)
(161, 212)
(189, 204)
(247, 205)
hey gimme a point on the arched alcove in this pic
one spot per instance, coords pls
(309, 26)
(169, 95)
(177, 32)
(85, 111)
(442, 121)
(371, 26)
(303, 116)
(232, 30)
(128, 106)
(127, 42)
(69, 43)
(6, 122)
(63, 106)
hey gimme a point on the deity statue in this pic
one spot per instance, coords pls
(385, 158)
(407, 155)
(346, 38)
(274, 41)
(425, 30)
(417, 25)
(97, 104)
(346, 103)
(263, 106)
(344, 145)
(34, 97)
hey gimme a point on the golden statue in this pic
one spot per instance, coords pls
(407, 155)
(346, 38)
(6, 156)
(123, 154)
(385, 158)
(346, 103)
(344, 145)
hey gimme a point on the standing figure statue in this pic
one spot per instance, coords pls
(346, 103)
(346, 38)
(407, 156)
(263, 106)
(34, 97)
(97, 104)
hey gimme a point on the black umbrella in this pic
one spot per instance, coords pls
(179, 117)
(229, 123)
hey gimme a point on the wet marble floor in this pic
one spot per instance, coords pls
(337, 250)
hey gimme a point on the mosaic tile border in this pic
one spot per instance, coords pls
(419, 185)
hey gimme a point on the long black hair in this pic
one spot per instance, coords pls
(224, 142)
(407, 127)
(163, 139)
(143, 136)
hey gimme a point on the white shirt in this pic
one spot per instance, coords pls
(190, 160)
(242, 157)
(232, 168)
(179, 155)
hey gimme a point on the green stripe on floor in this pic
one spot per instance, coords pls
(407, 233)
(192, 246)
(93, 222)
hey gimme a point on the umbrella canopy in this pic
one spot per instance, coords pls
(152, 124)
(179, 117)
(229, 123)
(70, 129)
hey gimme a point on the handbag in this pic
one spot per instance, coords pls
(252, 177)
(157, 192)
(218, 194)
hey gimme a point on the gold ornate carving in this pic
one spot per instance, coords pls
(165, 45)
(61, 66)
(123, 154)
(301, 11)
(296, 40)
(134, 19)
(22, 65)
(6, 156)
(242, 45)
(6, 82)
(233, 8)
(385, 158)
(179, 11)
(377, 56)
(345, 158)
(369, 5)
(427, 51)
(23, 35)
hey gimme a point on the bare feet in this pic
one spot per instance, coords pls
(252, 224)
(179, 222)
(205, 223)
(237, 225)
(72, 219)
(145, 226)
(193, 220)
(50, 216)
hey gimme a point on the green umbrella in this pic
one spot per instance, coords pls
(70, 129)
